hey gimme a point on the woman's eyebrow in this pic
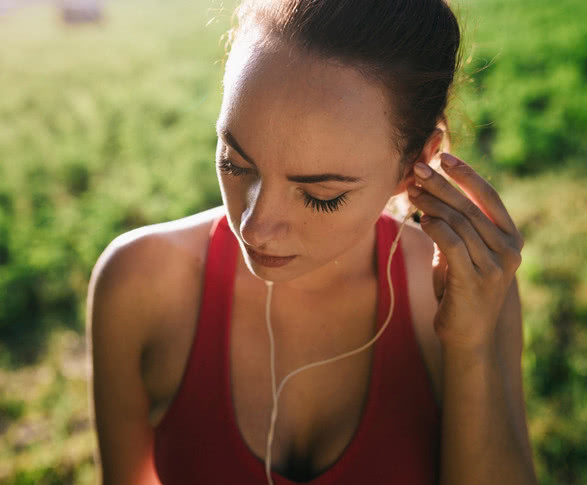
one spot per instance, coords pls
(229, 139)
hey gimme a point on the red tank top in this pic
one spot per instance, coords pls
(398, 438)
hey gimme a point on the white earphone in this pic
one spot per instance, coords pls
(277, 390)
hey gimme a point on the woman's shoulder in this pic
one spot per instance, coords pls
(186, 237)
(158, 269)
(160, 257)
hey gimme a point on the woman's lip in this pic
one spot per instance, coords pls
(263, 255)
(265, 260)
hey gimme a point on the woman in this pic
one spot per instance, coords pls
(330, 108)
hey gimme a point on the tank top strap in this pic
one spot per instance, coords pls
(403, 368)
(196, 424)
(387, 229)
(218, 281)
(216, 301)
(216, 307)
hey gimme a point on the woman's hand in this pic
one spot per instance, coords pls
(477, 251)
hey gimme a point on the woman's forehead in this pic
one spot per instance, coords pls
(284, 95)
(285, 70)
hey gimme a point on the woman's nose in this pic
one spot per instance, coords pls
(264, 218)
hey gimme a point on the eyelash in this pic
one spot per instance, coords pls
(317, 204)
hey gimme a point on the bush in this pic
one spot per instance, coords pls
(526, 63)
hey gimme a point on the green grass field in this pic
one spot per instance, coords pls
(108, 127)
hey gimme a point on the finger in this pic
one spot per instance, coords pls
(451, 245)
(481, 256)
(436, 184)
(482, 193)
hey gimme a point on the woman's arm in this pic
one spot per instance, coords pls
(118, 316)
(478, 322)
(509, 346)
(484, 432)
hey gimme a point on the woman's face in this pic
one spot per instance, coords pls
(286, 119)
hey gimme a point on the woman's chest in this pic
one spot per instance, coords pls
(319, 409)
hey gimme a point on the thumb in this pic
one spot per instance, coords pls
(439, 265)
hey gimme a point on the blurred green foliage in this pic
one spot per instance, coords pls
(109, 127)
(520, 113)
(103, 128)
(526, 67)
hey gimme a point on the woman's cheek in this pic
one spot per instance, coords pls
(228, 187)
(234, 194)
(225, 191)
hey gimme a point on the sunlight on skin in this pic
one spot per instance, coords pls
(345, 129)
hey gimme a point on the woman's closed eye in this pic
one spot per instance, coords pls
(226, 166)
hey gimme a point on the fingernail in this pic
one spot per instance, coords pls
(448, 160)
(414, 191)
(422, 170)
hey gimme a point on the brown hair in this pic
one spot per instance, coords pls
(411, 46)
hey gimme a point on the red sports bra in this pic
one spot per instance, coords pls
(398, 438)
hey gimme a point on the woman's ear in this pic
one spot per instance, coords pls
(431, 148)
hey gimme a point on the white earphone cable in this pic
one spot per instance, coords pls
(276, 391)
